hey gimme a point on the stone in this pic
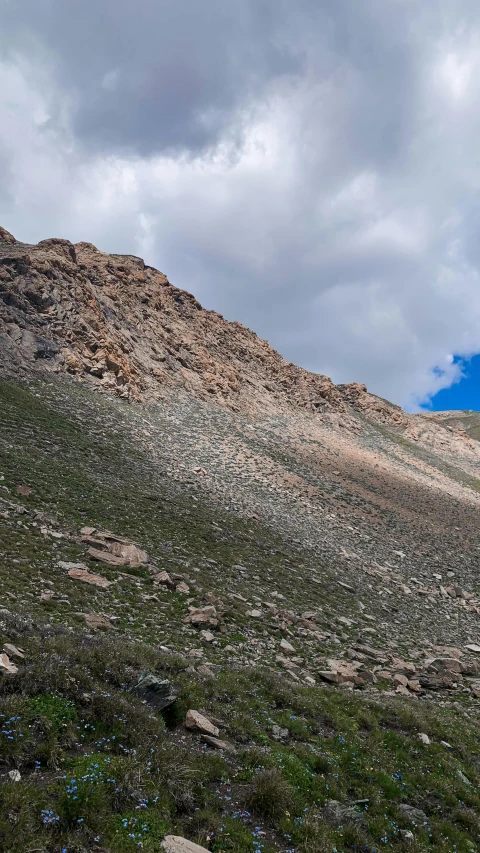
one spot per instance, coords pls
(398, 678)
(106, 557)
(97, 622)
(14, 776)
(407, 836)
(337, 813)
(88, 577)
(463, 778)
(164, 579)
(473, 647)
(182, 588)
(424, 738)
(278, 733)
(203, 616)
(178, 844)
(254, 614)
(13, 652)
(445, 664)
(287, 647)
(216, 743)
(25, 491)
(6, 665)
(197, 722)
(130, 554)
(207, 636)
(155, 691)
(403, 666)
(206, 671)
(413, 814)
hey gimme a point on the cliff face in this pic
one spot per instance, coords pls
(114, 321)
(120, 325)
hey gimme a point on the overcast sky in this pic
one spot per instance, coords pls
(310, 168)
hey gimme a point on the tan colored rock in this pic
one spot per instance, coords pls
(403, 666)
(424, 738)
(399, 678)
(106, 557)
(178, 844)
(207, 636)
(197, 722)
(182, 588)
(88, 577)
(163, 579)
(203, 616)
(130, 554)
(216, 743)
(287, 647)
(254, 614)
(205, 670)
(6, 665)
(13, 652)
(96, 621)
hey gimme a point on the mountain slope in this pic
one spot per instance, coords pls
(303, 569)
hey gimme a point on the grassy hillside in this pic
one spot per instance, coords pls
(100, 769)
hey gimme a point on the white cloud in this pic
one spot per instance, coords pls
(335, 213)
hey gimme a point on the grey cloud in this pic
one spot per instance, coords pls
(309, 169)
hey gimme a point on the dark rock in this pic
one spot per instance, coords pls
(155, 691)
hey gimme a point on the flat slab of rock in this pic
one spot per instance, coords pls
(13, 652)
(216, 743)
(107, 558)
(88, 577)
(177, 844)
(9, 668)
(197, 722)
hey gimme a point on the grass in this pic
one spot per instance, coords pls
(102, 771)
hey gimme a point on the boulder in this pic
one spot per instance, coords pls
(88, 577)
(155, 691)
(6, 665)
(197, 722)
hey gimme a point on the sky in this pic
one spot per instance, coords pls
(311, 169)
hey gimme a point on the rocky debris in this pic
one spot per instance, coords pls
(106, 547)
(205, 670)
(415, 815)
(337, 813)
(178, 844)
(203, 616)
(97, 621)
(6, 665)
(216, 743)
(424, 738)
(207, 636)
(155, 691)
(82, 574)
(163, 579)
(106, 557)
(287, 647)
(13, 652)
(198, 723)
